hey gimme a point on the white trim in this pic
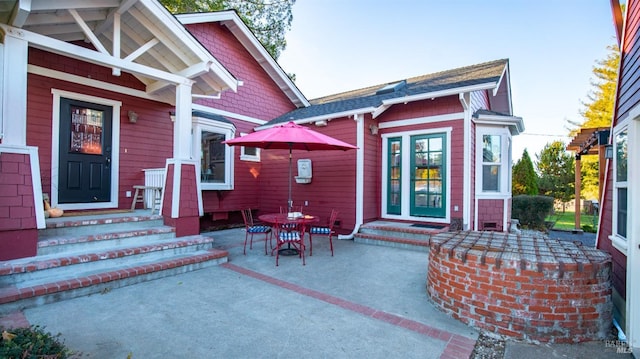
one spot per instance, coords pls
(327, 117)
(465, 100)
(406, 166)
(515, 124)
(442, 93)
(504, 184)
(633, 236)
(246, 157)
(200, 124)
(95, 57)
(224, 113)
(55, 149)
(36, 182)
(177, 184)
(422, 120)
(59, 75)
(13, 90)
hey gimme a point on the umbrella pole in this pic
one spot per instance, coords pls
(289, 201)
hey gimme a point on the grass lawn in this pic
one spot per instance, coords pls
(566, 220)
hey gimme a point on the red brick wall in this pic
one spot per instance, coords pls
(522, 297)
(18, 233)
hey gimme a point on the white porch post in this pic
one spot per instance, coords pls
(182, 126)
(13, 102)
(182, 198)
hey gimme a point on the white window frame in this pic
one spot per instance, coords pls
(619, 242)
(247, 157)
(201, 124)
(504, 185)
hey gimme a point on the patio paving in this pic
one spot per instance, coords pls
(365, 302)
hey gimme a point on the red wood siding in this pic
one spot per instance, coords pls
(373, 172)
(628, 96)
(490, 211)
(145, 144)
(333, 183)
(439, 106)
(259, 96)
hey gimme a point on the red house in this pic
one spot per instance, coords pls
(98, 97)
(617, 233)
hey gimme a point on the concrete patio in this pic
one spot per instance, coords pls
(365, 302)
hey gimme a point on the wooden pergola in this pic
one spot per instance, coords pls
(588, 141)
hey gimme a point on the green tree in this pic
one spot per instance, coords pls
(598, 112)
(557, 172)
(525, 180)
(268, 19)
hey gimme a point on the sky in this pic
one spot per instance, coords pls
(552, 47)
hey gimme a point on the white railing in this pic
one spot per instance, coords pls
(153, 177)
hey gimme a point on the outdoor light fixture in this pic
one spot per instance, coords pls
(373, 129)
(608, 152)
(133, 117)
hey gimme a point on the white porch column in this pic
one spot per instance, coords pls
(13, 96)
(182, 126)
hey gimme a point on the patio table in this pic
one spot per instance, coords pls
(283, 218)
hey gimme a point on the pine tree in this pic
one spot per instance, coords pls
(525, 180)
(556, 169)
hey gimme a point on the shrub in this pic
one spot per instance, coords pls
(531, 210)
(32, 342)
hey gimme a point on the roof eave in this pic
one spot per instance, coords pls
(250, 42)
(324, 117)
(515, 124)
(434, 94)
(192, 43)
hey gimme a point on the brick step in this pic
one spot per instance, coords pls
(79, 226)
(14, 298)
(421, 245)
(61, 266)
(397, 234)
(96, 242)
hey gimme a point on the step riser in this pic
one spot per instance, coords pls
(105, 244)
(395, 234)
(69, 271)
(104, 287)
(83, 230)
(390, 244)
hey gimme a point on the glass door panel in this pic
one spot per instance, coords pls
(394, 173)
(428, 175)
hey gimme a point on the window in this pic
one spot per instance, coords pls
(215, 159)
(491, 162)
(249, 153)
(493, 156)
(620, 188)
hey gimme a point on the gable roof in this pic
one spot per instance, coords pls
(376, 99)
(137, 36)
(246, 37)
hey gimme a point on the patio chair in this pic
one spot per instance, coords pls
(292, 237)
(323, 231)
(253, 228)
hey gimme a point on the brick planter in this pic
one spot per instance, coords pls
(523, 287)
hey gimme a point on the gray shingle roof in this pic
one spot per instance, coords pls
(368, 97)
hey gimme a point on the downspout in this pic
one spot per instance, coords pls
(359, 118)
(465, 100)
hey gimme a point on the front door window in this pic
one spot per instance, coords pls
(395, 176)
(427, 192)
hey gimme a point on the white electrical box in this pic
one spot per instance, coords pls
(304, 171)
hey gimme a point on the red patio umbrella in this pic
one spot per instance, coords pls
(292, 137)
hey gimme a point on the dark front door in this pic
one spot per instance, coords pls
(85, 152)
